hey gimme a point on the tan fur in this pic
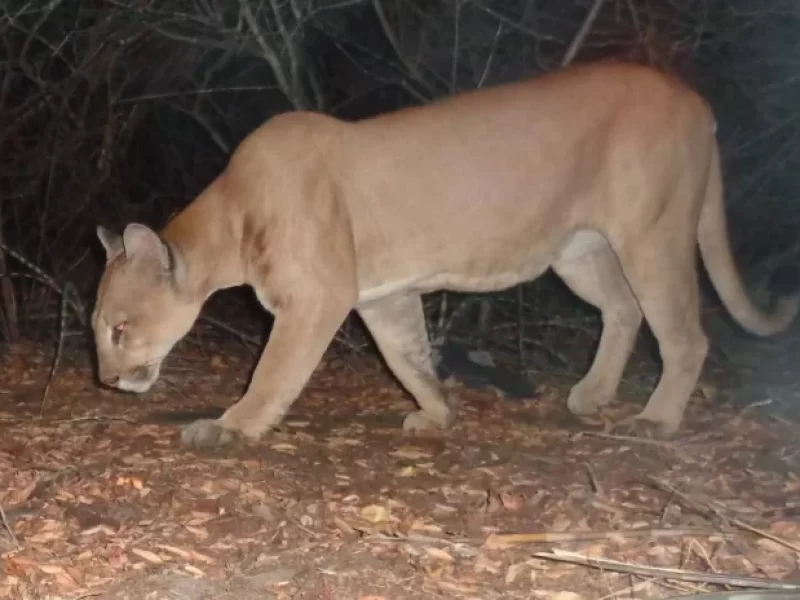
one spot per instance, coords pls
(607, 173)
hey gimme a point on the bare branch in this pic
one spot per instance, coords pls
(583, 32)
(412, 69)
(269, 54)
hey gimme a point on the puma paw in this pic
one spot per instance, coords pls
(642, 426)
(205, 434)
(585, 403)
(420, 420)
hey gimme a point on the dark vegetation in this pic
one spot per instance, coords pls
(114, 110)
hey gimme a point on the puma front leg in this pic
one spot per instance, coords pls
(300, 335)
(397, 323)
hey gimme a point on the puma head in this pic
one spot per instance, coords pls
(142, 307)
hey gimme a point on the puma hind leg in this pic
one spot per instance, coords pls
(397, 324)
(661, 268)
(591, 269)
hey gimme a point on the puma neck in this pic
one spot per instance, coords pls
(204, 256)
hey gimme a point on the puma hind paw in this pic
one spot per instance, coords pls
(205, 434)
(443, 418)
(641, 426)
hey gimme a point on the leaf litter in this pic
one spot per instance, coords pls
(339, 503)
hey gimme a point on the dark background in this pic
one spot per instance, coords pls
(115, 111)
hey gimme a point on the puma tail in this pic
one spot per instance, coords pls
(712, 236)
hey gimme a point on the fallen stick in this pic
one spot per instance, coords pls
(502, 540)
(707, 509)
(416, 538)
(628, 438)
(662, 573)
(499, 540)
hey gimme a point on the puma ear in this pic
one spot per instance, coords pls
(141, 242)
(111, 241)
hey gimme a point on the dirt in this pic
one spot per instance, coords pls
(339, 503)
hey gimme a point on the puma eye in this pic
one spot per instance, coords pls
(116, 333)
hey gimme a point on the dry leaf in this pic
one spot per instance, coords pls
(202, 557)
(176, 551)
(771, 546)
(194, 570)
(198, 531)
(561, 523)
(657, 551)
(419, 525)
(595, 550)
(513, 572)
(438, 553)
(283, 447)
(452, 586)
(511, 500)
(21, 495)
(66, 582)
(786, 529)
(340, 441)
(343, 525)
(375, 513)
(148, 556)
(483, 563)
(51, 569)
(410, 453)
(434, 572)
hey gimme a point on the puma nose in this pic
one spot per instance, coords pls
(110, 380)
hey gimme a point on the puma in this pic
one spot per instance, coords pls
(608, 173)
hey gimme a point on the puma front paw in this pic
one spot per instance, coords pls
(205, 434)
(421, 421)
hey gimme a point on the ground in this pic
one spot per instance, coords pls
(99, 501)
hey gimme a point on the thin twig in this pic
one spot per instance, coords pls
(580, 37)
(419, 538)
(502, 540)
(598, 489)
(456, 47)
(628, 438)
(489, 59)
(409, 66)
(663, 573)
(99, 418)
(628, 591)
(499, 540)
(7, 527)
(69, 291)
(43, 422)
(705, 508)
(247, 339)
(40, 276)
(269, 54)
